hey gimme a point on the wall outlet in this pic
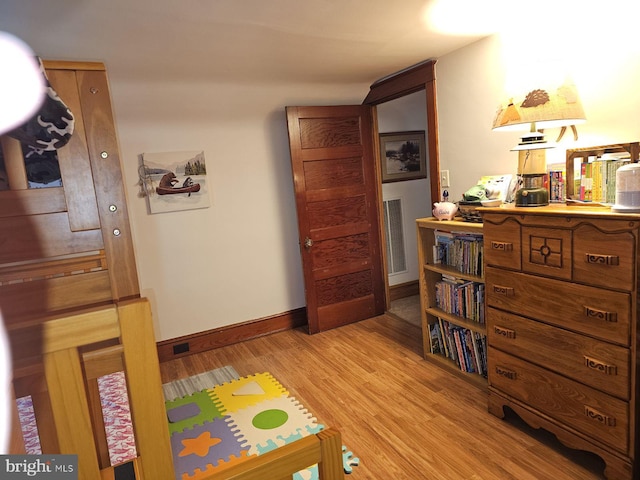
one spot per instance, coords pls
(444, 178)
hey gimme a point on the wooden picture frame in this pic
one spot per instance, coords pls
(403, 156)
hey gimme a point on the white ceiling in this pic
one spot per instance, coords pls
(233, 40)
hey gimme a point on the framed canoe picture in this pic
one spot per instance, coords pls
(174, 181)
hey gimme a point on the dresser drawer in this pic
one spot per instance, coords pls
(589, 411)
(604, 259)
(547, 251)
(598, 364)
(594, 311)
(501, 241)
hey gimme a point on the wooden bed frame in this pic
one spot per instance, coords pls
(71, 303)
(58, 361)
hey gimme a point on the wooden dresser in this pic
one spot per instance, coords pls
(562, 325)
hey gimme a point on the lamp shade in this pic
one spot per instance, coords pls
(540, 109)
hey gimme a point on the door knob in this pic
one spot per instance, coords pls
(308, 243)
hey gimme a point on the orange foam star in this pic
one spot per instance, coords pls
(198, 446)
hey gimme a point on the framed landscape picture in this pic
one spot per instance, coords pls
(404, 156)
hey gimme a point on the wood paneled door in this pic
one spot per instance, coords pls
(337, 199)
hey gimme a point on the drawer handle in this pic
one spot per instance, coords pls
(501, 246)
(505, 332)
(600, 314)
(602, 367)
(505, 372)
(502, 290)
(595, 258)
(599, 417)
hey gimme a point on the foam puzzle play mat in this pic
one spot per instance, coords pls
(218, 427)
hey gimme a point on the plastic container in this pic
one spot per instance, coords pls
(627, 188)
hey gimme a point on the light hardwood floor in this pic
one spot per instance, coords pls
(402, 416)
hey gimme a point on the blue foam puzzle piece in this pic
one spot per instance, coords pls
(348, 460)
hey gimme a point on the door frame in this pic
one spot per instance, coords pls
(405, 82)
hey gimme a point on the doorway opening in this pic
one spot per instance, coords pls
(403, 202)
(404, 102)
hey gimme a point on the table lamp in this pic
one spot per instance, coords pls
(539, 109)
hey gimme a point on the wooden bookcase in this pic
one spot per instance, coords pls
(431, 273)
(586, 152)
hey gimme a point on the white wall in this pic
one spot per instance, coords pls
(404, 114)
(237, 260)
(472, 81)
(246, 263)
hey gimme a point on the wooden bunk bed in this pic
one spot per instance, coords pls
(72, 308)
(77, 348)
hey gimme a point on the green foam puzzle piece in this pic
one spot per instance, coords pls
(208, 411)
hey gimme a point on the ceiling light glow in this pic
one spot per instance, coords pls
(466, 17)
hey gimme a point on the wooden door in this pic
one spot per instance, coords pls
(337, 199)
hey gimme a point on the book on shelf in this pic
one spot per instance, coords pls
(453, 279)
(595, 177)
(466, 351)
(445, 347)
(461, 251)
(479, 343)
(460, 350)
(556, 174)
(476, 352)
(442, 240)
(452, 351)
(465, 300)
(482, 346)
(471, 354)
(466, 348)
(436, 339)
